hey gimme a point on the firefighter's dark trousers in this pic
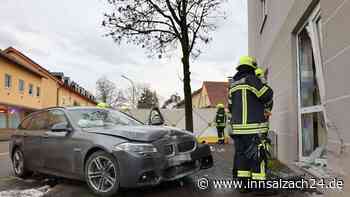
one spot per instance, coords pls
(221, 134)
(244, 167)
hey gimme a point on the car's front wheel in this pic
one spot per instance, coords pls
(102, 174)
(18, 164)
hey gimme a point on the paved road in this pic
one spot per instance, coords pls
(186, 187)
(5, 168)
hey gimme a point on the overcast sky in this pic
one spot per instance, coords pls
(67, 36)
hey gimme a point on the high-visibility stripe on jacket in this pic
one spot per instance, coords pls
(249, 98)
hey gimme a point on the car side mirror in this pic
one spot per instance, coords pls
(155, 117)
(61, 127)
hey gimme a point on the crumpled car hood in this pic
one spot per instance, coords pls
(144, 133)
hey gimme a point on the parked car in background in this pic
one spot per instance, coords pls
(106, 148)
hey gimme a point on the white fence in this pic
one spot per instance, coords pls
(203, 120)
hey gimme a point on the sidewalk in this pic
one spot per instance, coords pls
(4, 147)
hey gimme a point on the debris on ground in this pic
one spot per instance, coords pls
(39, 192)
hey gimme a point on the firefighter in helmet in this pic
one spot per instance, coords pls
(220, 120)
(260, 73)
(248, 98)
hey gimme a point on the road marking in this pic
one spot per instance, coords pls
(4, 154)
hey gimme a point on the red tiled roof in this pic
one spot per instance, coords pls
(217, 92)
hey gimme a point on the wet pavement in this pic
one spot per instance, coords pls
(185, 187)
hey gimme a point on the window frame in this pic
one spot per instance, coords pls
(31, 89)
(21, 90)
(263, 15)
(28, 118)
(317, 55)
(38, 91)
(7, 83)
(69, 124)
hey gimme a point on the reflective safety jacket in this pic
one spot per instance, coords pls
(249, 98)
(220, 118)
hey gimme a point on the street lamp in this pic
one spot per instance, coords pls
(133, 89)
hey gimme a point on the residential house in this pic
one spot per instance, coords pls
(26, 86)
(209, 95)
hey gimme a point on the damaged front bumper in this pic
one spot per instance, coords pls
(148, 170)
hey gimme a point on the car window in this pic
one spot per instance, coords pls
(25, 125)
(89, 118)
(56, 116)
(39, 121)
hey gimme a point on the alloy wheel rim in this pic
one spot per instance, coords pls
(102, 174)
(18, 162)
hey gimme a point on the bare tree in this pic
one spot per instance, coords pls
(171, 102)
(138, 90)
(160, 25)
(148, 99)
(107, 92)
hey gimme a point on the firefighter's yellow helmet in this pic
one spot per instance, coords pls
(247, 60)
(102, 105)
(220, 105)
(259, 72)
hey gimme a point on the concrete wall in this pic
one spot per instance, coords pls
(49, 92)
(336, 58)
(275, 48)
(69, 98)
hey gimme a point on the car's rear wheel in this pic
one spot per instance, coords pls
(18, 164)
(102, 174)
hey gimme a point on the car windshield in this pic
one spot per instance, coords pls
(90, 118)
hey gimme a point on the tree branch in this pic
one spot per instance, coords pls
(172, 11)
(160, 11)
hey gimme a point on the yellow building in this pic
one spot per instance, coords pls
(209, 95)
(25, 86)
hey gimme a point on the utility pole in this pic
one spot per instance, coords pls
(133, 89)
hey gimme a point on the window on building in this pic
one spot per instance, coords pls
(14, 118)
(263, 14)
(8, 81)
(3, 119)
(31, 90)
(21, 85)
(311, 88)
(38, 91)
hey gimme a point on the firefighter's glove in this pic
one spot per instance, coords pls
(264, 151)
